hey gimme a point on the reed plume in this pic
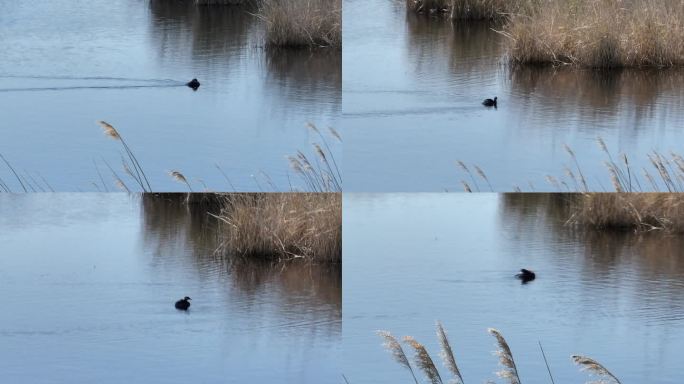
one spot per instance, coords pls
(595, 368)
(423, 360)
(139, 176)
(393, 346)
(179, 177)
(509, 371)
(447, 354)
(321, 172)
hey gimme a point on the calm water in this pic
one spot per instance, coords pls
(89, 282)
(410, 260)
(69, 63)
(412, 93)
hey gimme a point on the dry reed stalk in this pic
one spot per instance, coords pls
(447, 354)
(594, 367)
(509, 371)
(14, 172)
(423, 360)
(465, 169)
(139, 176)
(394, 347)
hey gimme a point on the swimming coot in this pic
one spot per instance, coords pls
(490, 102)
(194, 84)
(526, 275)
(183, 304)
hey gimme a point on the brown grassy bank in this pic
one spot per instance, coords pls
(584, 33)
(629, 211)
(599, 33)
(282, 226)
(302, 23)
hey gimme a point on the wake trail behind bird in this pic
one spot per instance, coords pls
(147, 83)
(87, 78)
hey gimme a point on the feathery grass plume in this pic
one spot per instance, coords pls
(337, 179)
(552, 180)
(481, 173)
(466, 187)
(447, 354)
(335, 134)
(393, 346)
(595, 368)
(179, 177)
(583, 181)
(509, 371)
(423, 360)
(465, 168)
(121, 185)
(111, 132)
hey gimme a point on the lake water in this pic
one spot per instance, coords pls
(69, 63)
(410, 260)
(89, 281)
(412, 92)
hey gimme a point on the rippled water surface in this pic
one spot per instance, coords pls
(67, 64)
(410, 260)
(89, 281)
(412, 92)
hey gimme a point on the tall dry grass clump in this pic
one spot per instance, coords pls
(629, 211)
(599, 33)
(283, 226)
(302, 23)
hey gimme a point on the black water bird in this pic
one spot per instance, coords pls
(490, 102)
(183, 304)
(526, 275)
(194, 84)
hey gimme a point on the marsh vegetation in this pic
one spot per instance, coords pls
(586, 33)
(282, 226)
(269, 227)
(295, 23)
